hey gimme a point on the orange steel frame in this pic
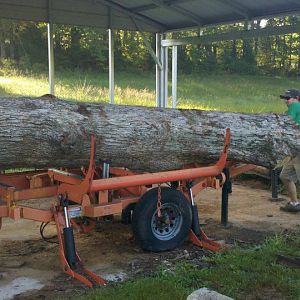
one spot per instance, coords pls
(97, 197)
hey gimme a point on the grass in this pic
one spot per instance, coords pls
(251, 273)
(239, 93)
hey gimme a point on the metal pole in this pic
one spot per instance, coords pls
(111, 67)
(225, 191)
(162, 77)
(50, 58)
(148, 45)
(174, 76)
(162, 74)
(105, 171)
(158, 70)
(165, 69)
(275, 183)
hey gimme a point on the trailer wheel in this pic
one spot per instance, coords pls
(171, 229)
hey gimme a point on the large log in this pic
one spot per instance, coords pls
(44, 132)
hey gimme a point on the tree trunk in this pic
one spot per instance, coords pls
(47, 132)
(2, 50)
(12, 50)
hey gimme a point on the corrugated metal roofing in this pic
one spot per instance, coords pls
(150, 15)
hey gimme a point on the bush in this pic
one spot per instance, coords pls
(8, 67)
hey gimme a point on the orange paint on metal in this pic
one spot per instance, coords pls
(199, 186)
(76, 191)
(59, 221)
(39, 180)
(237, 169)
(121, 172)
(153, 178)
(103, 197)
(34, 214)
(136, 191)
(85, 200)
(3, 211)
(35, 193)
(102, 210)
(83, 227)
(15, 213)
(64, 176)
(126, 201)
(205, 242)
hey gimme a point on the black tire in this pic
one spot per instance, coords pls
(167, 233)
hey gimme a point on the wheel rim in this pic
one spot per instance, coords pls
(169, 224)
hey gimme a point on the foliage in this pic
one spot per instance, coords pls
(87, 49)
(8, 67)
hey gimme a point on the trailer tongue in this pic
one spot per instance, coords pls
(159, 205)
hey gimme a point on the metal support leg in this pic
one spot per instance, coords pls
(161, 73)
(111, 67)
(51, 58)
(105, 171)
(174, 76)
(197, 235)
(149, 48)
(165, 76)
(70, 261)
(195, 215)
(225, 191)
(275, 183)
(158, 71)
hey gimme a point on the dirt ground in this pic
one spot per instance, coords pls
(29, 266)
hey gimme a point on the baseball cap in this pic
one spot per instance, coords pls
(290, 93)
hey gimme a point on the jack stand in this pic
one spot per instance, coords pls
(69, 258)
(226, 190)
(197, 235)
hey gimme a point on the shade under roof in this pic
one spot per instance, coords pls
(146, 15)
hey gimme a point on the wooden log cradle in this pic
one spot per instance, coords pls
(46, 132)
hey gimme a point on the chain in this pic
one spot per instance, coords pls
(158, 205)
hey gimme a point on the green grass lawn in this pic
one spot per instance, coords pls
(240, 93)
(241, 273)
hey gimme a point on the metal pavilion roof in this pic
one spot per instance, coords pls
(146, 15)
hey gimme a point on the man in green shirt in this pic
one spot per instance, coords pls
(290, 173)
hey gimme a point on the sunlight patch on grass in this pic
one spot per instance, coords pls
(132, 96)
(237, 93)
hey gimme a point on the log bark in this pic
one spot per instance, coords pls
(44, 132)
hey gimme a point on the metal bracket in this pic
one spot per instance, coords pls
(147, 44)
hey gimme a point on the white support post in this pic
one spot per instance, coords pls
(111, 67)
(51, 58)
(158, 70)
(174, 76)
(161, 73)
(165, 69)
